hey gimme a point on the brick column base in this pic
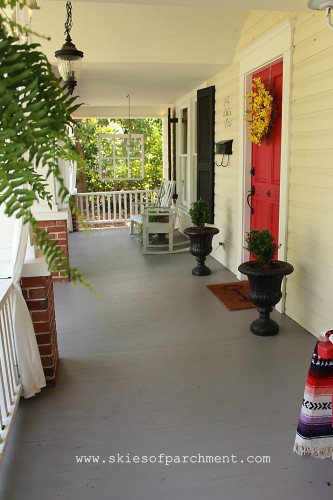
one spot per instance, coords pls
(38, 294)
(75, 222)
(57, 230)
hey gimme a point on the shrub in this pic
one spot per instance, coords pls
(261, 245)
(199, 213)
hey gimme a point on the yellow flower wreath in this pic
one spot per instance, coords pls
(260, 103)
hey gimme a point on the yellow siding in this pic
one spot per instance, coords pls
(309, 297)
(226, 179)
(310, 226)
(259, 23)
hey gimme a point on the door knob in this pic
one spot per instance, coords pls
(251, 193)
(268, 193)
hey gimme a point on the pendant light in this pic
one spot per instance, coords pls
(69, 59)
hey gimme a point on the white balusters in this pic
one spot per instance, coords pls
(112, 206)
(10, 384)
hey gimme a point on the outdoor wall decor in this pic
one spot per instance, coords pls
(260, 102)
(227, 113)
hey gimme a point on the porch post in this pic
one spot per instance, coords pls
(39, 297)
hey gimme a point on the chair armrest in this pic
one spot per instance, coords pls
(151, 210)
(137, 207)
(158, 215)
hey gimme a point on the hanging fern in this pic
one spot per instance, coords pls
(35, 116)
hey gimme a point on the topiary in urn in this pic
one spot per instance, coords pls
(200, 235)
(265, 275)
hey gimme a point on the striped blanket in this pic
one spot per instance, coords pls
(314, 434)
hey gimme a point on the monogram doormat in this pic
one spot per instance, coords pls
(234, 295)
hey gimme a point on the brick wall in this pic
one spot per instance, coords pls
(75, 222)
(57, 230)
(39, 296)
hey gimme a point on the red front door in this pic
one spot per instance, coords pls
(266, 160)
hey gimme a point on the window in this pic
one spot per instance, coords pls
(121, 156)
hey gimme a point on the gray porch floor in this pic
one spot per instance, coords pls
(157, 365)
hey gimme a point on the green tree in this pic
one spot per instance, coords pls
(87, 133)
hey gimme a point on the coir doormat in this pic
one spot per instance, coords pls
(234, 295)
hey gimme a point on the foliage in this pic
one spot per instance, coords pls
(87, 133)
(260, 103)
(261, 245)
(199, 213)
(35, 114)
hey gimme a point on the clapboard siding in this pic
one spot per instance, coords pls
(312, 158)
(315, 140)
(313, 85)
(262, 24)
(319, 64)
(300, 246)
(312, 283)
(318, 42)
(312, 232)
(308, 316)
(226, 179)
(311, 196)
(322, 214)
(313, 104)
(308, 25)
(313, 177)
(300, 294)
(304, 123)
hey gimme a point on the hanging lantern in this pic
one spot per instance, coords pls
(69, 59)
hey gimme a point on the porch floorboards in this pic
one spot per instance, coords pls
(156, 364)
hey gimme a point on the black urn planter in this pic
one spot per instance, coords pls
(265, 292)
(201, 246)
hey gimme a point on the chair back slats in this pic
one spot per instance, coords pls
(165, 193)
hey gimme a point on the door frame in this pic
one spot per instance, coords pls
(275, 46)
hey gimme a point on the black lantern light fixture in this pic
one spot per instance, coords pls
(326, 5)
(69, 59)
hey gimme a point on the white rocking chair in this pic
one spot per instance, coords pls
(158, 219)
(163, 199)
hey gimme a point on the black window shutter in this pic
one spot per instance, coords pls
(205, 153)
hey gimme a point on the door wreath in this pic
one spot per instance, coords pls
(260, 107)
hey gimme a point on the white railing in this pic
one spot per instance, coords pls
(10, 383)
(111, 206)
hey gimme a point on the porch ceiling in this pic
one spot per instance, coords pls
(154, 50)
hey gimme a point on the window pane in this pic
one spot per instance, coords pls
(107, 170)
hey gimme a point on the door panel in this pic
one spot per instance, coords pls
(266, 161)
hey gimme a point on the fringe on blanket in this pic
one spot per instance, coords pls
(314, 452)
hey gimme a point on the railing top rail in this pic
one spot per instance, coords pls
(116, 192)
